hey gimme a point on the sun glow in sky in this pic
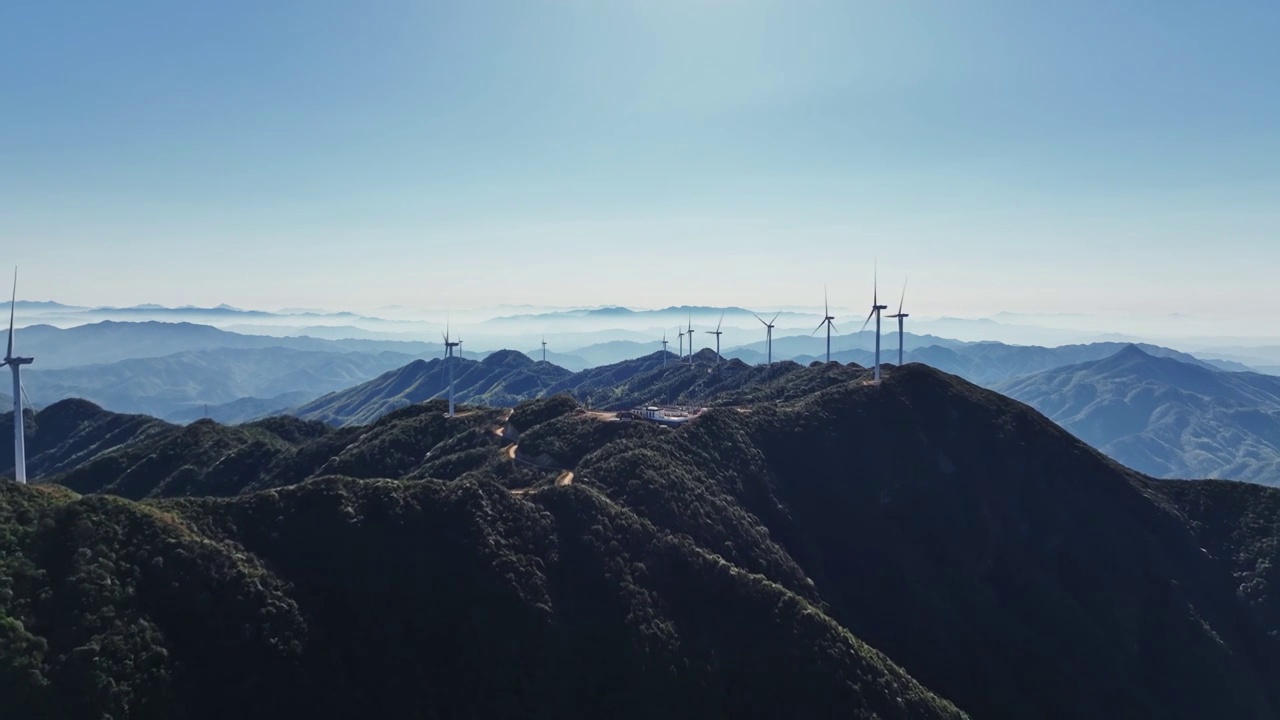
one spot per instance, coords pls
(1035, 157)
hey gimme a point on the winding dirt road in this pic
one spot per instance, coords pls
(564, 478)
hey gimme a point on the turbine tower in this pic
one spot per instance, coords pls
(876, 307)
(544, 348)
(768, 334)
(15, 366)
(718, 333)
(900, 317)
(681, 344)
(690, 334)
(664, 348)
(448, 353)
(826, 320)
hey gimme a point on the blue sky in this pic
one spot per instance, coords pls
(1041, 157)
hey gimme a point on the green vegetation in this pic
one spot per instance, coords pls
(345, 598)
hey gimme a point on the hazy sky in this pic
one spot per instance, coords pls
(1007, 155)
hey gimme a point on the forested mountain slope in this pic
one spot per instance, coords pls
(519, 561)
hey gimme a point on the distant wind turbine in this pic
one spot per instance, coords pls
(544, 348)
(15, 364)
(876, 307)
(768, 334)
(664, 348)
(826, 320)
(681, 344)
(449, 345)
(717, 332)
(900, 317)
(690, 333)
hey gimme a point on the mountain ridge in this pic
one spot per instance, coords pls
(1163, 416)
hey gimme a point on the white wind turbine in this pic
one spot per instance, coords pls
(717, 332)
(681, 344)
(690, 334)
(876, 307)
(768, 334)
(449, 345)
(15, 364)
(544, 349)
(664, 348)
(900, 317)
(826, 320)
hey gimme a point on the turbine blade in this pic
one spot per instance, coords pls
(762, 322)
(815, 330)
(875, 283)
(826, 307)
(721, 322)
(864, 325)
(775, 317)
(904, 296)
(13, 304)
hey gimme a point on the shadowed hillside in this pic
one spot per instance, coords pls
(305, 602)
(70, 433)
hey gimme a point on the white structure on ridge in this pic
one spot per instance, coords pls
(15, 364)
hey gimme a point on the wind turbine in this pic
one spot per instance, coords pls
(690, 334)
(718, 333)
(664, 348)
(544, 348)
(768, 334)
(876, 307)
(826, 320)
(901, 316)
(681, 344)
(15, 365)
(448, 353)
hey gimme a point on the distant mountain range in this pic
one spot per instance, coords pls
(1164, 416)
(109, 341)
(242, 410)
(637, 380)
(991, 363)
(502, 378)
(175, 370)
(1172, 416)
(506, 378)
(184, 382)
